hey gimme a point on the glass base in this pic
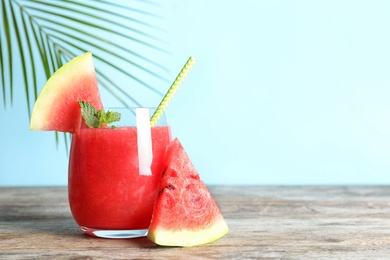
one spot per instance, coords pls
(115, 233)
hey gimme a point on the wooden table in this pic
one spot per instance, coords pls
(309, 222)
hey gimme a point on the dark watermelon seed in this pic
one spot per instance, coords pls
(169, 187)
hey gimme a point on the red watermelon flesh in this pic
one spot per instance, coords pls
(56, 107)
(185, 213)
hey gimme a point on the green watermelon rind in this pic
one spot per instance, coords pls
(187, 237)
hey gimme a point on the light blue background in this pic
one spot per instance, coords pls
(283, 92)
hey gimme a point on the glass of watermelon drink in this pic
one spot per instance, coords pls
(108, 196)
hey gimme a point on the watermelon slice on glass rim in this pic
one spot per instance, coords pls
(57, 108)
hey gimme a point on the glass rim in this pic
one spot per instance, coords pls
(125, 110)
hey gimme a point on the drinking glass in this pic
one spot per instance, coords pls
(108, 196)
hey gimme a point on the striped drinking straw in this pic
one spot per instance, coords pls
(171, 91)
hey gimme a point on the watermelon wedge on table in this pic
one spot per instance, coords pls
(57, 108)
(185, 213)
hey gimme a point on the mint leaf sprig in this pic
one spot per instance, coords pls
(97, 118)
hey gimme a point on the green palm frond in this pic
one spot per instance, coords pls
(42, 35)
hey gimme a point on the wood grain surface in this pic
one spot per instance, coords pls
(266, 222)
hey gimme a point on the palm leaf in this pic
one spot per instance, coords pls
(42, 35)
(6, 54)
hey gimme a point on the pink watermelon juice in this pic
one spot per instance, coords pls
(106, 191)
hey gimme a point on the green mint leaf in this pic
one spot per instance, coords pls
(96, 119)
(89, 114)
(102, 116)
(112, 117)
